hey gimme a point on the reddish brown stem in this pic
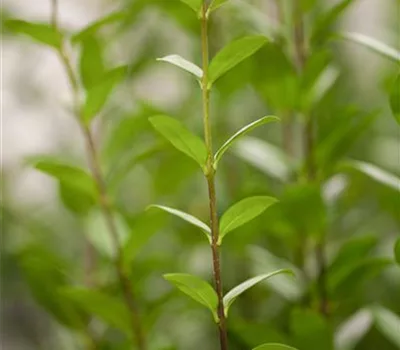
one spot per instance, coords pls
(210, 176)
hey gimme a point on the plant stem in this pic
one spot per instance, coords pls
(309, 154)
(105, 204)
(210, 176)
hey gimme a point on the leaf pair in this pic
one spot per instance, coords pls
(236, 216)
(183, 140)
(203, 293)
(40, 32)
(196, 5)
(226, 59)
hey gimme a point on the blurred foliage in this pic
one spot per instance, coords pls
(335, 228)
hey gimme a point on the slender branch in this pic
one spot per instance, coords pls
(309, 153)
(210, 176)
(104, 201)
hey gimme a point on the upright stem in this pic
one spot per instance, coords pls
(309, 154)
(105, 204)
(210, 176)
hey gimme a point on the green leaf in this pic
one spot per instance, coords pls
(241, 133)
(184, 64)
(279, 83)
(91, 65)
(107, 308)
(215, 4)
(67, 174)
(347, 280)
(310, 330)
(262, 261)
(75, 200)
(381, 176)
(394, 99)
(231, 296)
(41, 32)
(324, 23)
(195, 5)
(388, 324)
(188, 218)
(341, 134)
(97, 96)
(45, 272)
(264, 156)
(352, 251)
(397, 251)
(197, 289)
(144, 226)
(274, 346)
(233, 54)
(322, 85)
(374, 45)
(181, 138)
(95, 26)
(242, 212)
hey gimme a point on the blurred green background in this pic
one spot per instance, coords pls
(50, 238)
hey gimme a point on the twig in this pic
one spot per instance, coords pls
(309, 154)
(210, 176)
(104, 201)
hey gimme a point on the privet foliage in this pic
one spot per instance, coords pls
(318, 206)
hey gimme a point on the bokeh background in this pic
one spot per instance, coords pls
(35, 120)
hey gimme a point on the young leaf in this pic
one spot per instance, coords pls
(184, 64)
(195, 5)
(274, 346)
(233, 54)
(197, 289)
(95, 26)
(91, 63)
(215, 4)
(266, 157)
(373, 44)
(397, 251)
(241, 133)
(180, 137)
(67, 174)
(231, 296)
(41, 32)
(376, 173)
(98, 95)
(187, 217)
(388, 324)
(107, 308)
(243, 212)
(262, 261)
(394, 99)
